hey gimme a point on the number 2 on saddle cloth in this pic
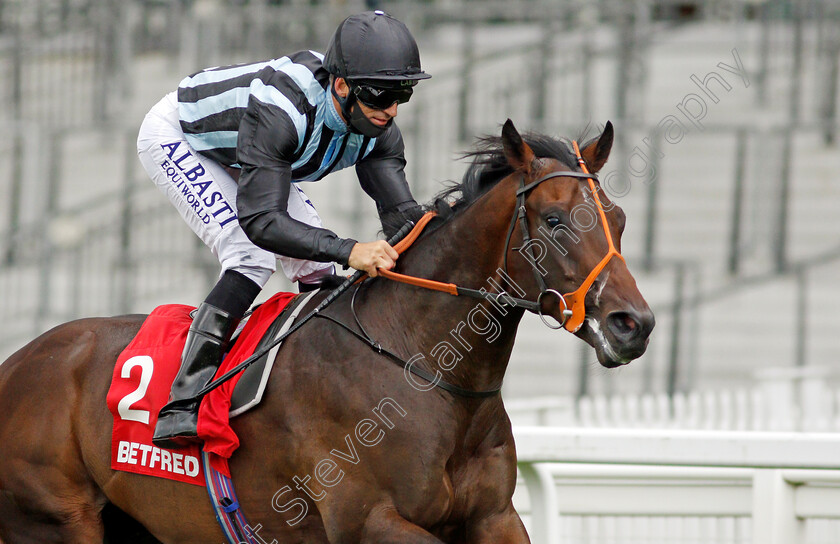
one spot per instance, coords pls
(140, 387)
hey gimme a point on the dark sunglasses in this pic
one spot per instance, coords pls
(381, 99)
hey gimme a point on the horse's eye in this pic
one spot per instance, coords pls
(552, 221)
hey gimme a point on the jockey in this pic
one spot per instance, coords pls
(228, 148)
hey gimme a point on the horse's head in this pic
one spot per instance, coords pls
(565, 249)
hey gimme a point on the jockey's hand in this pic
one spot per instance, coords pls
(369, 256)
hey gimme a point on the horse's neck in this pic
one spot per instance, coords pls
(466, 251)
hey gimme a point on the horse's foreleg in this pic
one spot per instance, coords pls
(503, 528)
(48, 518)
(386, 526)
(83, 528)
(80, 528)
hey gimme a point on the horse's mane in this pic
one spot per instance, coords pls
(489, 166)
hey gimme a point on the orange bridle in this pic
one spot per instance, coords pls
(574, 309)
(575, 299)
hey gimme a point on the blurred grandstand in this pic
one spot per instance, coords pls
(726, 160)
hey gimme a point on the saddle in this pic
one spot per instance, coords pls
(251, 385)
(146, 368)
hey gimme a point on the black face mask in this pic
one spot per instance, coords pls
(364, 126)
(359, 123)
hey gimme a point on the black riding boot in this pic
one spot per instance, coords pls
(206, 341)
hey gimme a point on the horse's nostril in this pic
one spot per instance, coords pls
(630, 326)
(623, 325)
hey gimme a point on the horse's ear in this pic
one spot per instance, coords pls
(597, 150)
(518, 154)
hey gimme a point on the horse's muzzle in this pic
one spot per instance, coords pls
(628, 332)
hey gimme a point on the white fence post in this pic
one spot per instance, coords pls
(542, 493)
(795, 477)
(774, 517)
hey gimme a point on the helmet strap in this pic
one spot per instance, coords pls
(345, 103)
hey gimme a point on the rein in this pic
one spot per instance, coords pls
(401, 240)
(449, 288)
(407, 366)
(574, 309)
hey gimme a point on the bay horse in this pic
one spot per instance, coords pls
(347, 447)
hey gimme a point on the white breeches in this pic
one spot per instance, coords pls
(205, 196)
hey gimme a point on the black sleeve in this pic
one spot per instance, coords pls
(382, 176)
(266, 145)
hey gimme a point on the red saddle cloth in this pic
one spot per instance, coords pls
(140, 387)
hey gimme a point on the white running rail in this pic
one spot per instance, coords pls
(778, 479)
(783, 400)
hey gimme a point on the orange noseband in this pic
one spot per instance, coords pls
(575, 299)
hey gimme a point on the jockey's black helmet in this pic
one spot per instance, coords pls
(375, 48)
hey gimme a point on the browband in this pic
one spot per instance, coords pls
(570, 174)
